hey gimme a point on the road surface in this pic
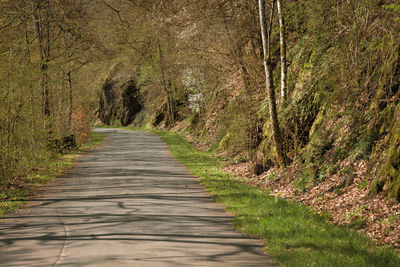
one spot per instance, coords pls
(127, 203)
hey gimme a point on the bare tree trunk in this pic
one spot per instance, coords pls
(282, 41)
(44, 56)
(266, 42)
(166, 86)
(70, 101)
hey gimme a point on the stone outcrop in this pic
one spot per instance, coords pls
(119, 99)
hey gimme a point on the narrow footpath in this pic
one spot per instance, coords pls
(127, 203)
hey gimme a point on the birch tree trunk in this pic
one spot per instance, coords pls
(282, 41)
(266, 42)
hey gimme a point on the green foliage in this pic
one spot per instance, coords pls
(325, 171)
(314, 152)
(393, 7)
(365, 145)
(306, 178)
(358, 222)
(340, 154)
(237, 126)
(364, 184)
(297, 118)
(355, 218)
(344, 74)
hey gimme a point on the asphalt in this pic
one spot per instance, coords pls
(127, 203)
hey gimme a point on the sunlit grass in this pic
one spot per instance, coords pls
(293, 233)
(15, 195)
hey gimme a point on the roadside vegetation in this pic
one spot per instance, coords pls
(14, 193)
(295, 234)
(303, 98)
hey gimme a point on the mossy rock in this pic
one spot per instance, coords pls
(224, 143)
(390, 173)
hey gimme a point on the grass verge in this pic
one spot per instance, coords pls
(12, 197)
(294, 234)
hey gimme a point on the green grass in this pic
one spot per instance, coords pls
(95, 140)
(22, 188)
(294, 234)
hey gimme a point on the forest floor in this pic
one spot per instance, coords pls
(375, 216)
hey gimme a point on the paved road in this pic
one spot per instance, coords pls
(127, 203)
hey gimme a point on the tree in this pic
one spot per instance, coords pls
(266, 43)
(282, 42)
(42, 24)
(41, 41)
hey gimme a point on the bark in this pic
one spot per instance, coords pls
(44, 55)
(266, 42)
(28, 47)
(31, 95)
(70, 101)
(45, 92)
(282, 41)
(166, 87)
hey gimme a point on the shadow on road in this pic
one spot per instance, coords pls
(127, 204)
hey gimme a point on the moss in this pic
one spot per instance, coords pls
(317, 123)
(224, 143)
(268, 151)
(384, 118)
(266, 147)
(306, 178)
(366, 143)
(340, 154)
(314, 152)
(389, 177)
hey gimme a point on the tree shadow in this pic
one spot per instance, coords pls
(115, 209)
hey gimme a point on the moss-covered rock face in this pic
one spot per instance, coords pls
(119, 99)
(389, 178)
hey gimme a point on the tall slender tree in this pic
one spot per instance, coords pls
(282, 41)
(42, 32)
(266, 43)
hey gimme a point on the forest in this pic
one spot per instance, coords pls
(300, 97)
